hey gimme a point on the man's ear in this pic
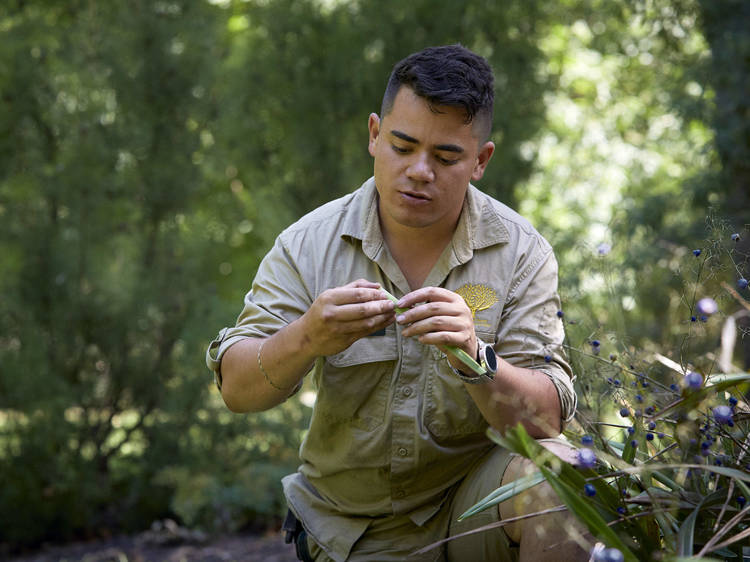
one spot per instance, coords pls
(483, 158)
(373, 124)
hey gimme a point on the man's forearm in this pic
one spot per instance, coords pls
(519, 395)
(286, 357)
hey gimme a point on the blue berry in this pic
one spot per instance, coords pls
(693, 380)
(595, 343)
(616, 382)
(587, 440)
(634, 443)
(673, 387)
(742, 283)
(741, 501)
(621, 510)
(624, 412)
(649, 436)
(586, 458)
(651, 425)
(631, 430)
(560, 314)
(650, 411)
(706, 306)
(732, 401)
(639, 398)
(548, 358)
(693, 319)
(610, 555)
(722, 414)
(696, 253)
(660, 435)
(612, 357)
(735, 237)
(589, 490)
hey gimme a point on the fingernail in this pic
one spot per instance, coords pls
(400, 318)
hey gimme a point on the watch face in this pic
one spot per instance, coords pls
(490, 358)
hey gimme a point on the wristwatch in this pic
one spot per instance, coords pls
(487, 360)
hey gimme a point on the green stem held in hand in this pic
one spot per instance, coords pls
(459, 354)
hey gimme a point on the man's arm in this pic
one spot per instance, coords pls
(336, 319)
(440, 317)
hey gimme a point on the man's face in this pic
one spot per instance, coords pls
(424, 162)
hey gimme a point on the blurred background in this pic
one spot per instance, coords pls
(150, 152)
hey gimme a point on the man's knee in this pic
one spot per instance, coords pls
(537, 498)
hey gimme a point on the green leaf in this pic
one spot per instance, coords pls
(503, 493)
(685, 537)
(569, 492)
(714, 384)
(586, 513)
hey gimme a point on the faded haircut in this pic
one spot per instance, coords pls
(449, 75)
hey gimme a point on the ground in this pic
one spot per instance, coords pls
(142, 548)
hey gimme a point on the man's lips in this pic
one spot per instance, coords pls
(414, 195)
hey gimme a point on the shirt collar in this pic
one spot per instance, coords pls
(479, 226)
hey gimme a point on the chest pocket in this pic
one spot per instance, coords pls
(450, 412)
(355, 384)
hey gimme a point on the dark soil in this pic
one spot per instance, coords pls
(143, 548)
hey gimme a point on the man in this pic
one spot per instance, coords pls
(397, 444)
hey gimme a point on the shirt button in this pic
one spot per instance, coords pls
(403, 452)
(406, 391)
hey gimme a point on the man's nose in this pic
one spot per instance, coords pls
(420, 168)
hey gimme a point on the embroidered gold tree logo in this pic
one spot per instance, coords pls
(477, 297)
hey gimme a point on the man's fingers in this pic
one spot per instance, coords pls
(357, 311)
(427, 294)
(363, 283)
(364, 326)
(350, 294)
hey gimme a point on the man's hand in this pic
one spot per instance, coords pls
(439, 317)
(341, 316)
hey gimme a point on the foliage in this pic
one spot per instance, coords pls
(151, 151)
(664, 461)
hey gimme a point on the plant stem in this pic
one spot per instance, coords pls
(459, 354)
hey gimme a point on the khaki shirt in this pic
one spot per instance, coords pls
(393, 429)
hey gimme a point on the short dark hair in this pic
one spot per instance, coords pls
(449, 75)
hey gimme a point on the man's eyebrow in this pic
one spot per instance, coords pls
(403, 136)
(445, 147)
(449, 147)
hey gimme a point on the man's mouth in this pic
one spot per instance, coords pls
(412, 195)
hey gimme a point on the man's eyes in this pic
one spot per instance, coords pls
(447, 161)
(441, 159)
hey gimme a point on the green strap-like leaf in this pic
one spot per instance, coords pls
(503, 493)
(587, 514)
(685, 537)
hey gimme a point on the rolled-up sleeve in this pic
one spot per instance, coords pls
(278, 297)
(531, 333)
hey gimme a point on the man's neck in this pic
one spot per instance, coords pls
(416, 250)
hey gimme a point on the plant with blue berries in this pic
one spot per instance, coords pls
(662, 467)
